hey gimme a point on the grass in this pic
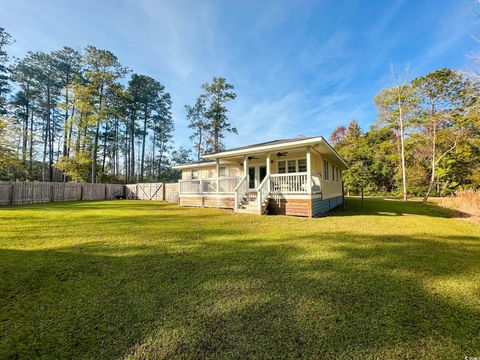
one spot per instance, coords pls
(139, 279)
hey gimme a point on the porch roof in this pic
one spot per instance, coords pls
(281, 144)
(194, 164)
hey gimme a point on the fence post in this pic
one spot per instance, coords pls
(136, 191)
(105, 192)
(11, 193)
(81, 192)
(163, 191)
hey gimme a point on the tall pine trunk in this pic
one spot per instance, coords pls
(31, 145)
(402, 147)
(50, 131)
(115, 150)
(66, 122)
(25, 130)
(45, 147)
(104, 147)
(132, 148)
(97, 134)
(153, 153)
(127, 153)
(70, 130)
(142, 161)
(199, 149)
(215, 138)
(160, 160)
(94, 153)
(434, 155)
(65, 126)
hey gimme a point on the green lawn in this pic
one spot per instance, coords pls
(139, 279)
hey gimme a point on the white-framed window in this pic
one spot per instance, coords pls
(292, 165)
(194, 174)
(302, 165)
(325, 169)
(222, 171)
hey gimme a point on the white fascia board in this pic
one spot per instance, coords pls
(193, 165)
(263, 148)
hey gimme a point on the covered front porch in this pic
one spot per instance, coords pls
(261, 176)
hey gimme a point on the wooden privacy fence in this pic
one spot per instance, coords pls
(153, 191)
(171, 192)
(146, 191)
(18, 193)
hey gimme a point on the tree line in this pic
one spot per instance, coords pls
(426, 139)
(72, 115)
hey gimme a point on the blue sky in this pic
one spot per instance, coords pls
(299, 67)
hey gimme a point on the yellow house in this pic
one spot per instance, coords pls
(301, 177)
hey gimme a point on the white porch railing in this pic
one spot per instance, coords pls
(289, 183)
(228, 184)
(198, 186)
(240, 191)
(189, 186)
(292, 183)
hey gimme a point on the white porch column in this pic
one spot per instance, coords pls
(245, 166)
(245, 171)
(218, 175)
(268, 171)
(309, 171)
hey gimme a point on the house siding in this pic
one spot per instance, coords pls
(321, 206)
(291, 207)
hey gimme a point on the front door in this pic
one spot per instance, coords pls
(251, 178)
(256, 173)
(263, 173)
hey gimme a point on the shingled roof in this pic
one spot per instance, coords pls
(267, 143)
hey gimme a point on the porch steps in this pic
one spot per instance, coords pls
(251, 208)
(253, 211)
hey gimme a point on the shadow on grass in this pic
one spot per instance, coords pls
(93, 205)
(212, 293)
(394, 207)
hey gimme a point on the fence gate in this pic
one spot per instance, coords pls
(151, 191)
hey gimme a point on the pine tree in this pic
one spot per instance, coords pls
(5, 40)
(199, 124)
(216, 95)
(102, 70)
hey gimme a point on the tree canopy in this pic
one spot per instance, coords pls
(73, 115)
(438, 116)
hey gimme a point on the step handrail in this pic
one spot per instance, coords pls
(240, 182)
(261, 191)
(236, 200)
